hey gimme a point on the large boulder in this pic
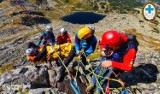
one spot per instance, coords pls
(28, 77)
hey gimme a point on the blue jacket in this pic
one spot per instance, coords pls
(88, 45)
(48, 37)
(118, 55)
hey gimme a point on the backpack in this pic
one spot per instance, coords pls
(132, 40)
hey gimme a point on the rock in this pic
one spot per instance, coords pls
(36, 77)
(43, 91)
(8, 92)
(52, 78)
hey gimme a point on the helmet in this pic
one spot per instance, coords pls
(48, 28)
(84, 33)
(63, 30)
(111, 38)
(29, 51)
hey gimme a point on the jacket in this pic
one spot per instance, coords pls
(123, 59)
(48, 38)
(88, 45)
(63, 38)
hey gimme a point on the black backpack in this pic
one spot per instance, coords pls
(132, 40)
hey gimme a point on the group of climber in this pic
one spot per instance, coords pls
(37, 52)
(118, 50)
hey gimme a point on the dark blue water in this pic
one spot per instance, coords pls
(83, 18)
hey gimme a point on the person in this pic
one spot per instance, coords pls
(63, 37)
(84, 39)
(47, 53)
(118, 52)
(36, 53)
(48, 37)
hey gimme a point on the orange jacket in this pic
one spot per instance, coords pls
(61, 38)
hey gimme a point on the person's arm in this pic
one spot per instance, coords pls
(58, 39)
(68, 39)
(40, 39)
(77, 43)
(92, 46)
(128, 60)
(41, 54)
(53, 38)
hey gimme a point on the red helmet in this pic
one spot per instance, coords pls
(111, 38)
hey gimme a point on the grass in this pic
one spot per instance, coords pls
(124, 6)
(6, 68)
(94, 55)
(53, 14)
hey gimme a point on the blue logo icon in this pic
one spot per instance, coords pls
(149, 11)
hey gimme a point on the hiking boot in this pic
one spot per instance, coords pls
(90, 88)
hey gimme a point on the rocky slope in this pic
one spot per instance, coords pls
(16, 32)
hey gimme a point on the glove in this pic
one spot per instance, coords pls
(107, 63)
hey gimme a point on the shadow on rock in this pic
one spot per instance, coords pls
(146, 73)
(38, 20)
(30, 12)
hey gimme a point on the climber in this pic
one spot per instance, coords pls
(48, 37)
(36, 53)
(84, 40)
(47, 52)
(118, 51)
(63, 37)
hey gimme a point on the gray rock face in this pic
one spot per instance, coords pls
(31, 79)
(33, 76)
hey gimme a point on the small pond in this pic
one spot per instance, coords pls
(83, 17)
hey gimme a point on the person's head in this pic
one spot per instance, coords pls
(63, 31)
(112, 39)
(30, 52)
(85, 33)
(49, 28)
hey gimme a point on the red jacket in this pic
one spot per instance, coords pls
(126, 56)
(63, 38)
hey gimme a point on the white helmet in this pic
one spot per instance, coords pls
(29, 51)
(49, 28)
(63, 30)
